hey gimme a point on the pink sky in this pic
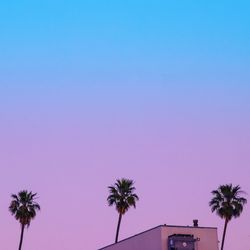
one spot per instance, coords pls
(176, 157)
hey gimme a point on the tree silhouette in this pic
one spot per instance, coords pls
(123, 197)
(227, 203)
(24, 208)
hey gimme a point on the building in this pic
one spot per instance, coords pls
(169, 237)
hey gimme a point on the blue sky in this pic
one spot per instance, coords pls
(159, 36)
(168, 46)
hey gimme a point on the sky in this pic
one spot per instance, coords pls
(92, 91)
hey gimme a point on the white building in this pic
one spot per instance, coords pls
(169, 237)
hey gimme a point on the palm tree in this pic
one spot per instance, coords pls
(227, 203)
(24, 208)
(123, 197)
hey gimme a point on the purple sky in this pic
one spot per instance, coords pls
(91, 92)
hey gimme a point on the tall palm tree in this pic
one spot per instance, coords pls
(228, 203)
(24, 208)
(123, 197)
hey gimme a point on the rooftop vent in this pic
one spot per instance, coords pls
(195, 222)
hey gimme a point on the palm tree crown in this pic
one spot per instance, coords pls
(227, 202)
(23, 207)
(122, 196)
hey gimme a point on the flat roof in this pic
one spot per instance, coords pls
(164, 225)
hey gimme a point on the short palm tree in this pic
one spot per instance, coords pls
(24, 208)
(123, 197)
(228, 203)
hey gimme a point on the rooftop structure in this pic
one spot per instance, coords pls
(170, 237)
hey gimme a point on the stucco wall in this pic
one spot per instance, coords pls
(149, 240)
(208, 236)
(157, 238)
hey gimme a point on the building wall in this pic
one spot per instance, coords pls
(157, 239)
(149, 240)
(208, 236)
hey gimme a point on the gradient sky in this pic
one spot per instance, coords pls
(91, 91)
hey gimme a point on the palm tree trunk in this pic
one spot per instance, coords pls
(224, 234)
(21, 238)
(118, 227)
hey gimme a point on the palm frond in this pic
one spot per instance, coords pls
(227, 202)
(23, 207)
(122, 195)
